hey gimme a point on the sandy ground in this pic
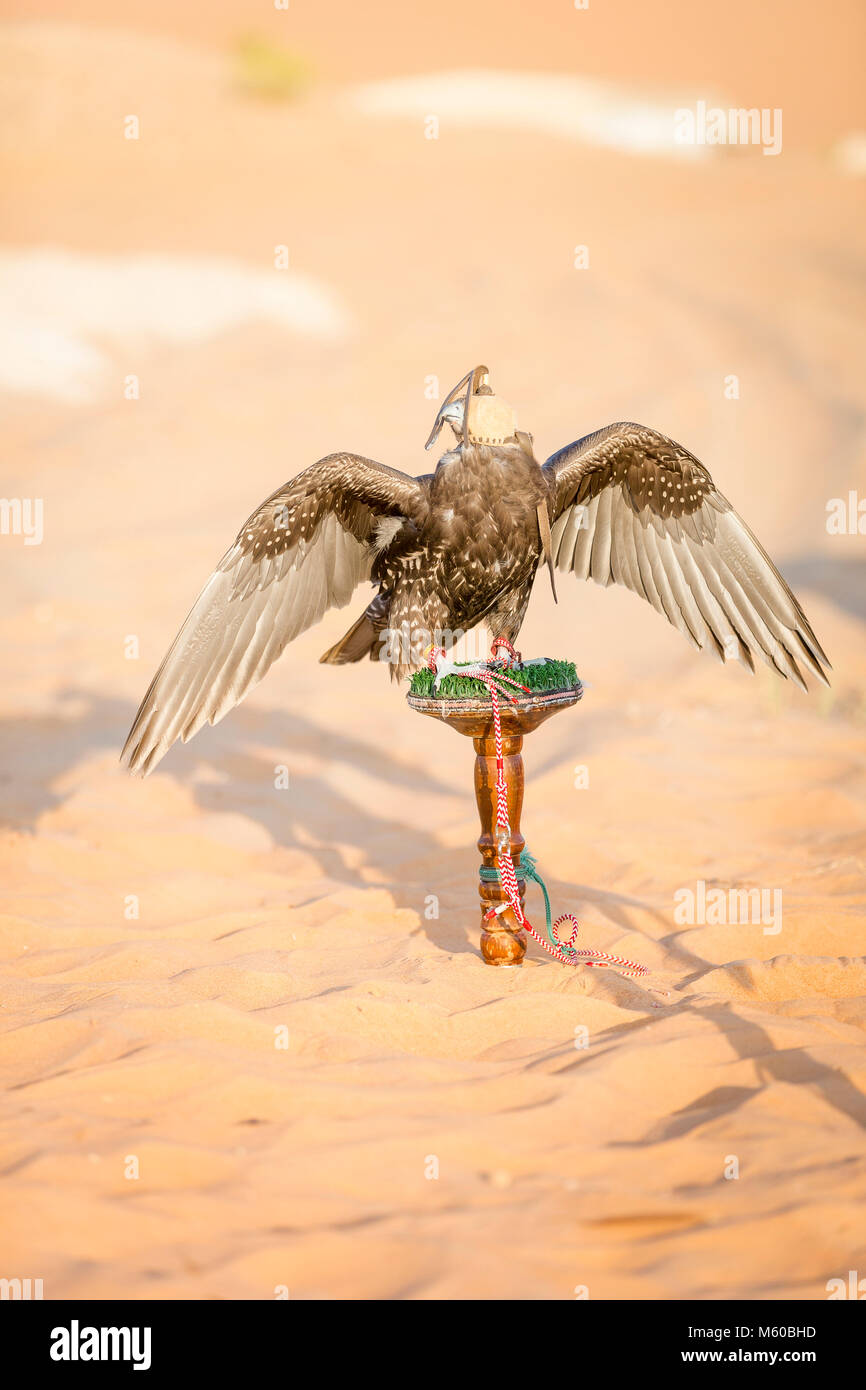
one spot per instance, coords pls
(432, 1127)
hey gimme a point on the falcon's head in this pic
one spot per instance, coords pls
(490, 419)
(452, 413)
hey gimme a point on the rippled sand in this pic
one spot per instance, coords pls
(244, 994)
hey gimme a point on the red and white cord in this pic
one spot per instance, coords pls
(492, 675)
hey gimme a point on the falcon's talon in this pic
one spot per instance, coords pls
(514, 658)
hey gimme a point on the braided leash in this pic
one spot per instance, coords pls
(492, 675)
(527, 867)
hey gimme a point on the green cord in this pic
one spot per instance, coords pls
(526, 866)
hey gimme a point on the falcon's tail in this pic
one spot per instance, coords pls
(358, 641)
(362, 639)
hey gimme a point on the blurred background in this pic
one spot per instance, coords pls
(237, 237)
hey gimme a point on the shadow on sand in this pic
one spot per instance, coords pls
(317, 818)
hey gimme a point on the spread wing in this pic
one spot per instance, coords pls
(304, 550)
(633, 507)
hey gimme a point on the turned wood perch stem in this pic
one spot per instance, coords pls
(502, 942)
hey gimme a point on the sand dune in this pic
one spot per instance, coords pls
(247, 1039)
(55, 305)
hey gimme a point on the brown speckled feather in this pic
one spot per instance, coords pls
(635, 508)
(304, 550)
(462, 546)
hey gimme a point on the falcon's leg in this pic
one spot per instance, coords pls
(497, 645)
(506, 620)
(418, 617)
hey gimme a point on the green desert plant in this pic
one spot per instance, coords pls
(265, 69)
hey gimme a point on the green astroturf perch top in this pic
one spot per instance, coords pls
(542, 677)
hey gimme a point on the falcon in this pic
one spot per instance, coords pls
(462, 546)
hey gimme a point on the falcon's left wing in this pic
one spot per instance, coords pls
(631, 507)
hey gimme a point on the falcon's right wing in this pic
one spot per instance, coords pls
(304, 550)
